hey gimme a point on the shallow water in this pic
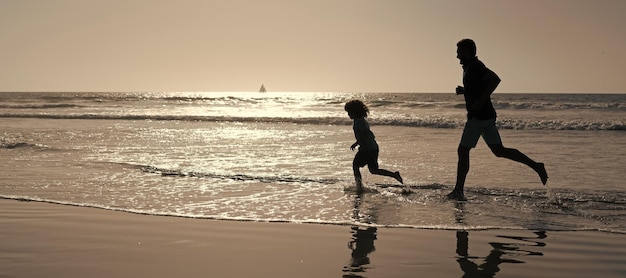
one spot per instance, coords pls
(301, 173)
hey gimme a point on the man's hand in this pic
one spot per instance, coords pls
(354, 146)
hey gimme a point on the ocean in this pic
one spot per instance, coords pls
(285, 157)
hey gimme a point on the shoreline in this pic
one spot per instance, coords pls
(42, 239)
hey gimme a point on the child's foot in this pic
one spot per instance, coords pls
(541, 170)
(456, 195)
(398, 177)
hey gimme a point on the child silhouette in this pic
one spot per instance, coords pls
(368, 148)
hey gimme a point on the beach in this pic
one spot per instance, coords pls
(219, 139)
(250, 184)
(52, 240)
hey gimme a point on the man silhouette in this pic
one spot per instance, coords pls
(479, 83)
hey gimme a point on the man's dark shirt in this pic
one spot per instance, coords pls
(474, 72)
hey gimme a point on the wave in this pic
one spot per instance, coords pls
(38, 106)
(557, 106)
(427, 122)
(500, 101)
(511, 105)
(237, 177)
(162, 97)
(452, 227)
(20, 145)
(241, 219)
(601, 199)
(581, 125)
(522, 101)
(560, 198)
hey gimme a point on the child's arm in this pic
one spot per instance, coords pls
(358, 134)
(361, 132)
(354, 145)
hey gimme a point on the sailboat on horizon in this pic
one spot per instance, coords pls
(262, 89)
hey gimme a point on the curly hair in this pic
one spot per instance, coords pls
(357, 108)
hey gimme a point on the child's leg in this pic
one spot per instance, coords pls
(357, 163)
(358, 179)
(387, 173)
(373, 167)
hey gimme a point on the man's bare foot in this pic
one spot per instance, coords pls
(456, 195)
(398, 177)
(541, 170)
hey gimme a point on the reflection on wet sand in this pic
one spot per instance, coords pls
(361, 244)
(501, 252)
(504, 249)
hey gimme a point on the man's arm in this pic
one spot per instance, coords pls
(492, 81)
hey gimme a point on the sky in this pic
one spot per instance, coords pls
(535, 46)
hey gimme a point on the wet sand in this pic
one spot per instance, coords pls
(51, 240)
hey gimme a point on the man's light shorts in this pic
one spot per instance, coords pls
(475, 128)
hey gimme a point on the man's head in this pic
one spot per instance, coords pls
(465, 50)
